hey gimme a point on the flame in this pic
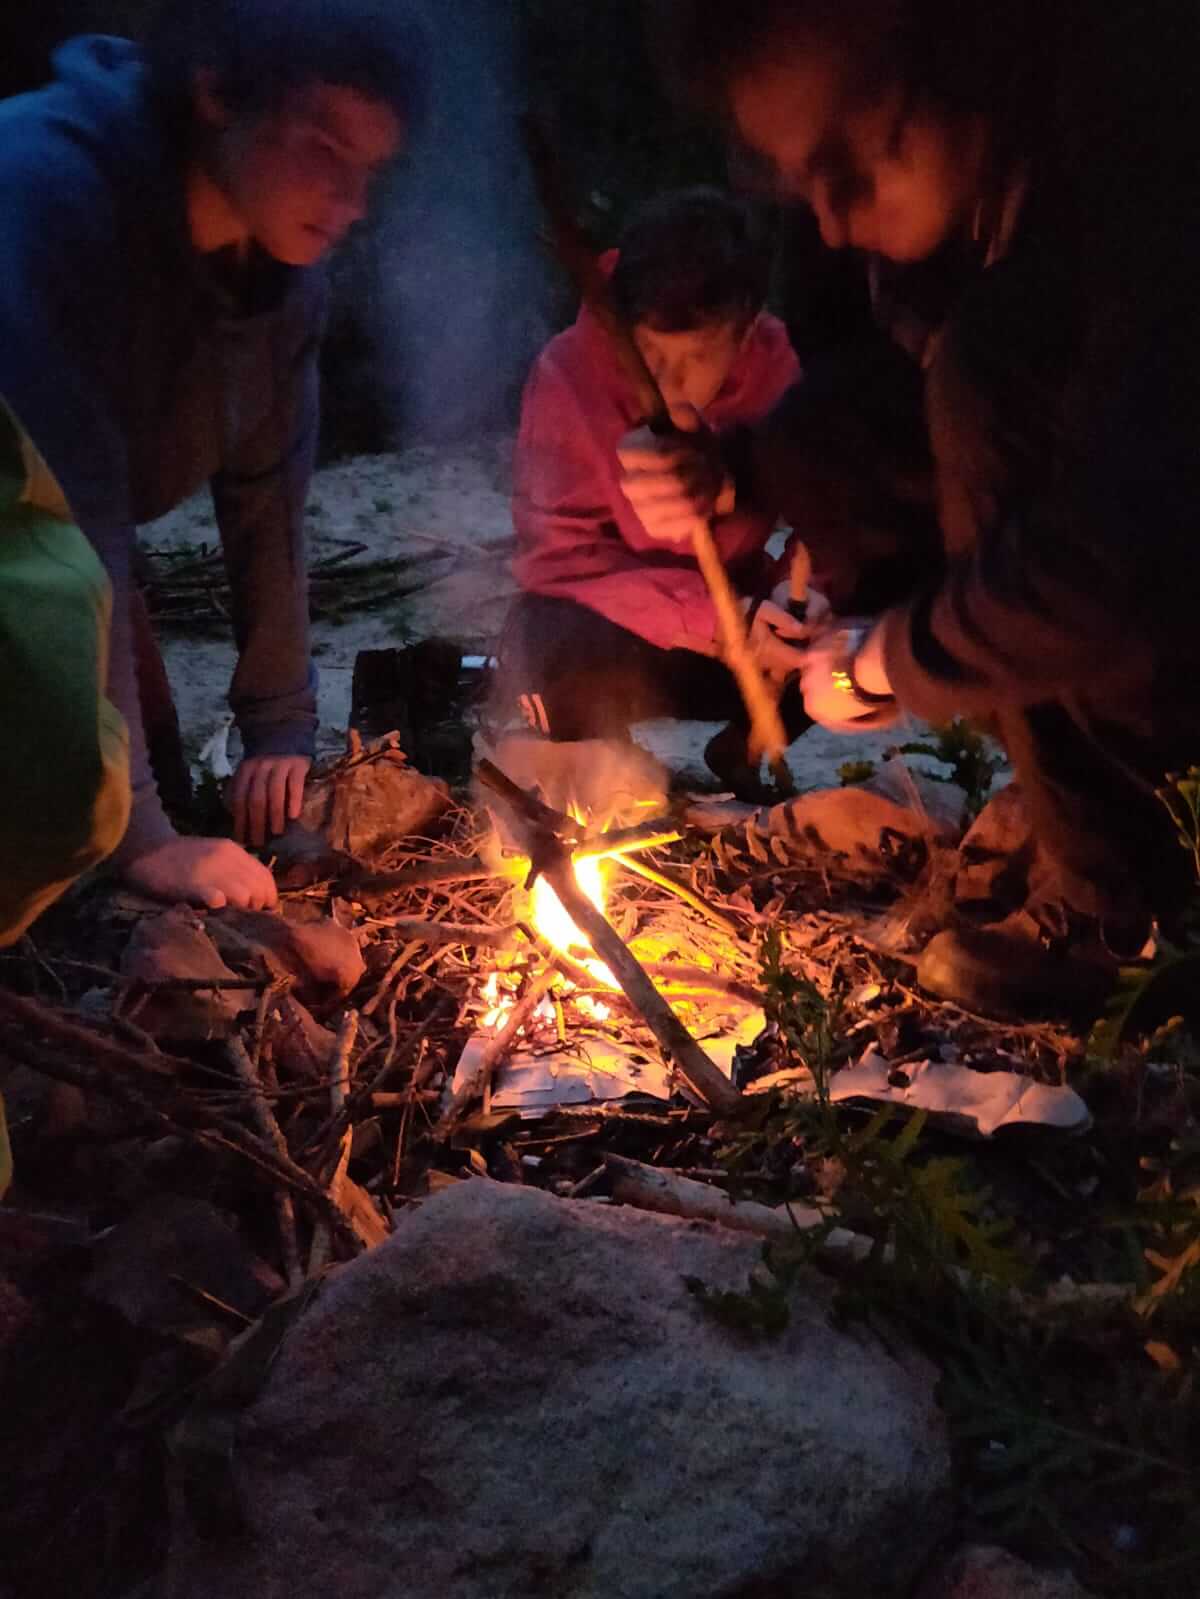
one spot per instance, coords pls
(557, 928)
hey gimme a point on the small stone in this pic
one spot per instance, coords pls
(176, 945)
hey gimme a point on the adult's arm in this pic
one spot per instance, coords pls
(1069, 482)
(259, 496)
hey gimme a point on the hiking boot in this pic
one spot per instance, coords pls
(1005, 970)
(727, 756)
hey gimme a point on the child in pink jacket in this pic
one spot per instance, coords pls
(612, 625)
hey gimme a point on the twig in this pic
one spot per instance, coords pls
(438, 933)
(548, 853)
(37, 1018)
(265, 1117)
(200, 1123)
(672, 885)
(389, 977)
(495, 1050)
(705, 1079)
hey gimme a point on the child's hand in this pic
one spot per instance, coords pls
(671, 479)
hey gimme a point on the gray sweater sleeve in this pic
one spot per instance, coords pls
(259, 495)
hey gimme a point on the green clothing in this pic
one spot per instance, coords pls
(64, 801)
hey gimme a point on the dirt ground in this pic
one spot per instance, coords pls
(450, 507)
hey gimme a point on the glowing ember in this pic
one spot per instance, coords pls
(557, 928)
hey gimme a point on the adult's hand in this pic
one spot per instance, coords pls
(778, 641)
(828, 698)
(266, 794)
(670, 479)
(203, 871)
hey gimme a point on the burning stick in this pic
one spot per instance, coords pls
(552, 858)
(497, 1048)
(767, 736)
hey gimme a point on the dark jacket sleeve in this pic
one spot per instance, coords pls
(63, 318)
(1064, 429)
(259, 495)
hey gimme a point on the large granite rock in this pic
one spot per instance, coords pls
(517, 1395)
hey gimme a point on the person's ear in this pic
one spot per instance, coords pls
(209, 106)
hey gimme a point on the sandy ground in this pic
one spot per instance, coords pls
(451, 508)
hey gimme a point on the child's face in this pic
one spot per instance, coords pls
(298, 177)
(691, 367)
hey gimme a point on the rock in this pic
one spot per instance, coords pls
(176, 944)
(363, 807)
(517, 1395)
(323, 956)
(865, 831)
(981, 1572)
(135, 1267)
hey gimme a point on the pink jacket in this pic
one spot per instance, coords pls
(578, 537)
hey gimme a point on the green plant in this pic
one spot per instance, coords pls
(971, 756)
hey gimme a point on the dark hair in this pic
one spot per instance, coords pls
(259, 51)
(688, 258)
(959, 57)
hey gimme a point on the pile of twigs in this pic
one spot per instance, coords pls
(188, 588)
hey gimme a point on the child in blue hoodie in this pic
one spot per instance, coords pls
(165, 213)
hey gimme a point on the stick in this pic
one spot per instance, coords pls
(389, 977)
(495, 1050)
(548, 854)
(673, 886)
(201, 1124)
(705, 1080)
(437, 933)
(285, 1214)
(648, 1188)
(766, 728)
(38, 1019)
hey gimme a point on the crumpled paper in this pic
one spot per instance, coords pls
(969, 1101)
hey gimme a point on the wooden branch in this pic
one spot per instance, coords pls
(187, 1118)
(285, 1214)
(668, 881)
(495, 1050)
(575, 252)
(439, 933)
(548, 853)
(38, 1018)
(624, 840)
(648, 1188)
(705, 1079)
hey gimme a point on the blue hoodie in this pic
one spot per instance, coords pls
(138, 375)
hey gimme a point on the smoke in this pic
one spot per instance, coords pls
(463, 295)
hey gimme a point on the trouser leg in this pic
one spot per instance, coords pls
(164, 740)
(1105, 841)
(573, 674)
